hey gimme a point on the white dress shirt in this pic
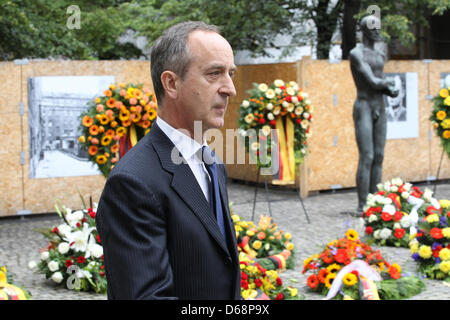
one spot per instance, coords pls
(188, 147)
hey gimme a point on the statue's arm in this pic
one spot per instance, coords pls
(364, 70)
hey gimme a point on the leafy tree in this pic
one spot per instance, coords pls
(38, 29)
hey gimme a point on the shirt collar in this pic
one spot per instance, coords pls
(185, 144)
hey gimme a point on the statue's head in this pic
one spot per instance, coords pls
(371, 28)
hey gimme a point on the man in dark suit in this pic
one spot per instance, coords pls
(163, 216)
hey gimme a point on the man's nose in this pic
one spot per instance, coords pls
(228, 87)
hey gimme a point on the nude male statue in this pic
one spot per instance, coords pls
(369, 114)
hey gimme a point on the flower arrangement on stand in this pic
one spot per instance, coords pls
(281, 105)
(272, 248)
(430, 246)
(115, 122)
(440, 118)
(392, 213)
(9, 290)
(257, 283)
(348, 268)
(74, 255)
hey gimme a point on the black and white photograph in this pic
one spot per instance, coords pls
(396, 106)
(55, 105)
(402, 111)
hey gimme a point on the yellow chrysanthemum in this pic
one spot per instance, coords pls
(445, 266)
(329, 279)
(432, 218)
(446, 134)
(443, 93)
(290, 246)
(447, 101)
(446, 232)
(82, 139)
(257, 244)
(445, 124)
(349, 279)
(351, 234)
(444, 254)
(287, 235)
(441, 115)
(397, 266)
(444, 203)
(414, 247)
(425, 252)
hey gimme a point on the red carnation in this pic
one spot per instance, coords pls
(91, 213)
(272, 122)
(431, 210)
(68, 263)
(399, 233)
(258, 283)
(381, 193)
(386, 216)
(279, 281)
(279, 296)
(436, 233)
(98, 239)
(81, 259)
(298, 121)
(369, 230)
(299, 98)
(244, 276)
(55, 230)
(341, 255)
(398, 216)
(289, 99)
(244, 284)
(262, 121)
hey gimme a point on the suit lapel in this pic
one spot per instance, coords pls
(186, 185)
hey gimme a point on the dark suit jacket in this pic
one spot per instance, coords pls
(160, 238)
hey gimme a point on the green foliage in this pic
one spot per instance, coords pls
(38, 29)
(402, 288)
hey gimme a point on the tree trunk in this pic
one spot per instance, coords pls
(351, 8)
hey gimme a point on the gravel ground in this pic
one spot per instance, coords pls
(20, 243)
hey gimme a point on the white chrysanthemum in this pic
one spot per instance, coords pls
(32, 265)
(385, 233)
(290, 91)
(249, 118)
(397, 182)
(263, 87)
(44, 255)
(57, 277)
(63, 247)
(278, 91)
(245, 103)
(427, 195)
(397, 225)
(290, 107)
(266, 130)
(373, 218)
(304, 123)
(405, 222)
(295, 100)
(276, 110)
(405, 195)
(380, 186)
(270, 94)
(53, 266)
(407, 186)
(269, 106)
(64, 229)
(278, 83)
(387, 201)
(285, 104)
(306, 115)
(376, 234)
(389, 208)
(394, 188)
(298, 110)
(270, 116)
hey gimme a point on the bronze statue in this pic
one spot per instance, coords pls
(369, 115)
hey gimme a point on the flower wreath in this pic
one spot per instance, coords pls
(430, 247)
(440, 117)
(115, 122)
(74, 248)
(270, 247)
(391, 215)
(352, 263)
(282, 106)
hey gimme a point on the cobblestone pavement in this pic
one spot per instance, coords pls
(20, 243)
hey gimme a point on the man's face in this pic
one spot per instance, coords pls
(207, 84)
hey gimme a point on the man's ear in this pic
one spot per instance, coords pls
(169, 80)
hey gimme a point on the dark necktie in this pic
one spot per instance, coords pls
(209, 160)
